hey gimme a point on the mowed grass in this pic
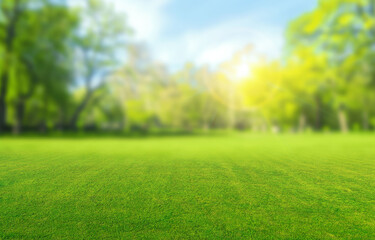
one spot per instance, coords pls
(229, 187)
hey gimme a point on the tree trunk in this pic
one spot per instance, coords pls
(343, 122)
(365, 120)
(302, 123)
(43, 124)
(20, 109)
(206, 122)
(231, 118)
(10, 35)
(78, 111)
(3, 94)
(122, 122)
(318, 115)
(231, 109)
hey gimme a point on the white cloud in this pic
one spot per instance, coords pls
(216, 44)
(211, 45)
(146, 17)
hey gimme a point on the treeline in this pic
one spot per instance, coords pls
(49, 51)
(74, 68)
(329, 69)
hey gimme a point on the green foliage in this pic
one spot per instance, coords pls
(338, 37)
(74, 68)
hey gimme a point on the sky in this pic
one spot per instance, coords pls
(209, 32)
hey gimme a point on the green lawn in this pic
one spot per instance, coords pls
(233, 187)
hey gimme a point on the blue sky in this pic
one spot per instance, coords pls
(195, 14)
(210, 31)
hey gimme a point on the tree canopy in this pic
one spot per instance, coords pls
(66, 67)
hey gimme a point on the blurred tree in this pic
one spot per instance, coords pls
(213, 111)
(34, 27)
(98, 45)
(344, 31)
(11, 12)
(261, 94)
(49, 32)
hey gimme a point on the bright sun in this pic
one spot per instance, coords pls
(241, 71)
